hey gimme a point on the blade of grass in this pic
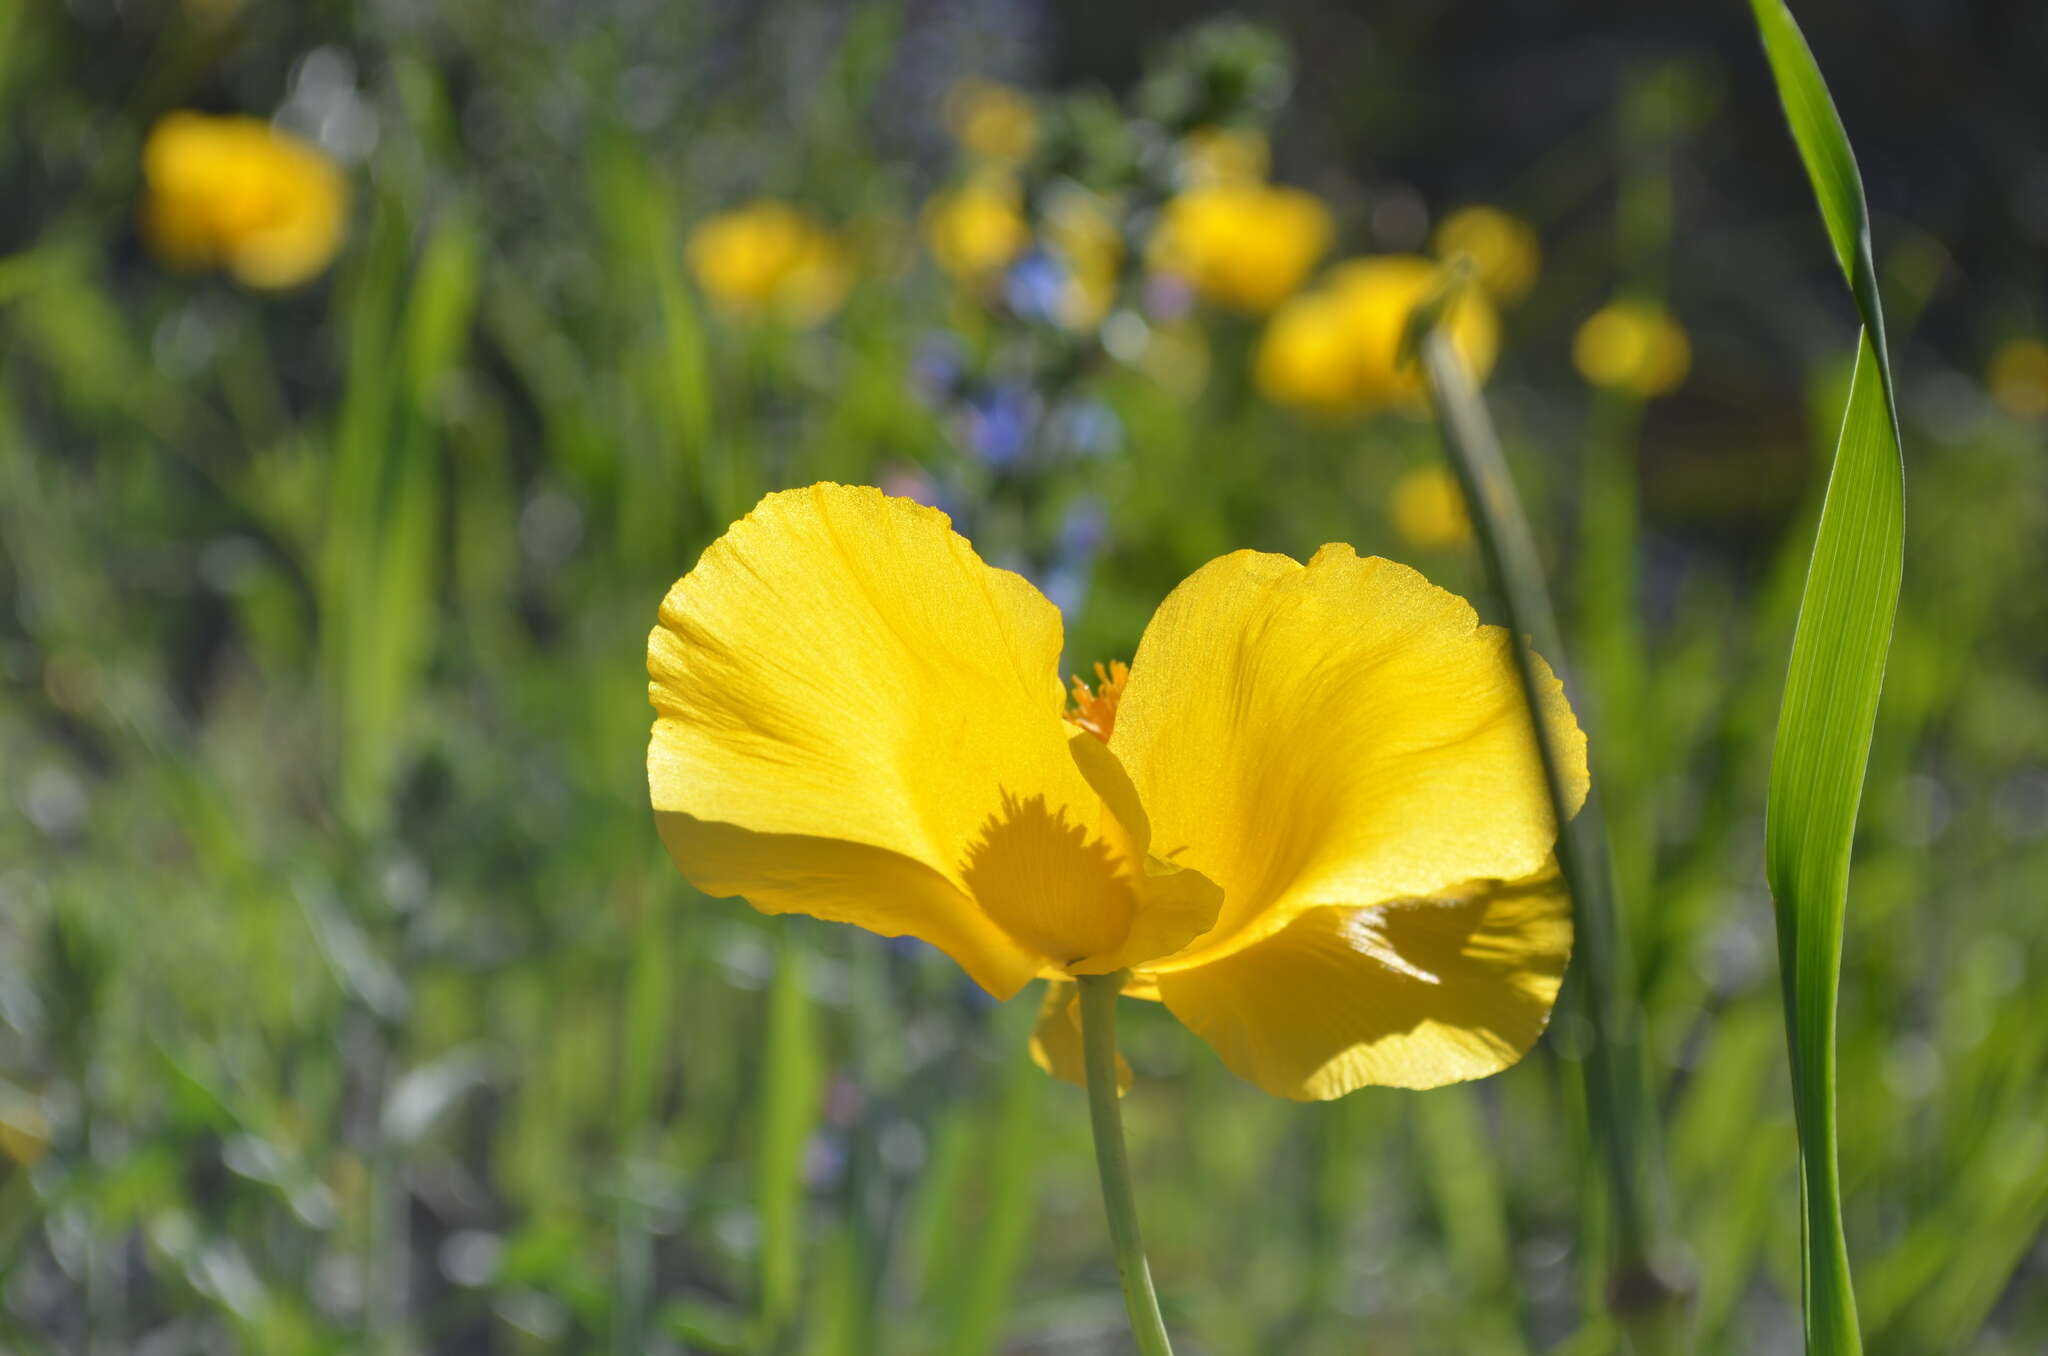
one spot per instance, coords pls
(1649, 1304)
(789, 1109)
(1832, 685)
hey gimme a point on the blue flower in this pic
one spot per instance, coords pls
(1035, 286)
(999, 424)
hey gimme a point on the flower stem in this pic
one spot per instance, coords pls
(1098, 1046)
(1650, 1304)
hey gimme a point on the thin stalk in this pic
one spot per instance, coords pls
(1098, 1046)
(1648, 1304)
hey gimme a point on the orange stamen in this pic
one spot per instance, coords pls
(1095, 711)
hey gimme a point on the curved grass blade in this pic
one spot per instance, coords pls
(1832, 686)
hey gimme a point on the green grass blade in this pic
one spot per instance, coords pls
(1824, 147)
(790, 1074)
(1817, 766)
(1832, 687)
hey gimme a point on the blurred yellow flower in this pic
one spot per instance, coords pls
(991, 120)
(1242, 245)
(978, 228)
(1336, 350)
(1082, 231)
(237, 193)
(1429, 509)
(1223, 155)
(1309, 817)
(2019, 378)
(1632, 346)
(771, 259)
(1503, 250)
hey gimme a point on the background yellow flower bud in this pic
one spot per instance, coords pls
(978, 227)
(1245, 246)
(991, 120)
(1308, 356)
(1337, 350)
(1632, 346)
(1502, 248)
(1223, 155)
(1428, 509)
(240, 194)
(769, 258)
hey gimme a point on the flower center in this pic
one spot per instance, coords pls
(1095, 710)
(1048, 883)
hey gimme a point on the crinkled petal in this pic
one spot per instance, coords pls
(1412, 994)
(841, 667)
(1339, 733)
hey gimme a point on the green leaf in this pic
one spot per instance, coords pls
(1830, 164)
(1832, 687)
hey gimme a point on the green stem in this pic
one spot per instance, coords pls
(1098, 1045)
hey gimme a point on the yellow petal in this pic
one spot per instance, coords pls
(1171, 905)
(1056, 1040)
(1176, 906)
(841, 667)
(884, 892)
(1411, 994)
(1340, 733)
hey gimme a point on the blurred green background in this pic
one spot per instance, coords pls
(347, 1000)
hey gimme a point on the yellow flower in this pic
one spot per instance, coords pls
(1223, 155)
(770, 259)
(1082, 231)
(1429, 509)
(1242, 245)
(991, 120)
(239, 194)
(1632, 346)
(1309, 818)
(1336, 350)
(2019, 378)
(1503, 250)
(979, 227)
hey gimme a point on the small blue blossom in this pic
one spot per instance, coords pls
(998, 426)
(1035, 286)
